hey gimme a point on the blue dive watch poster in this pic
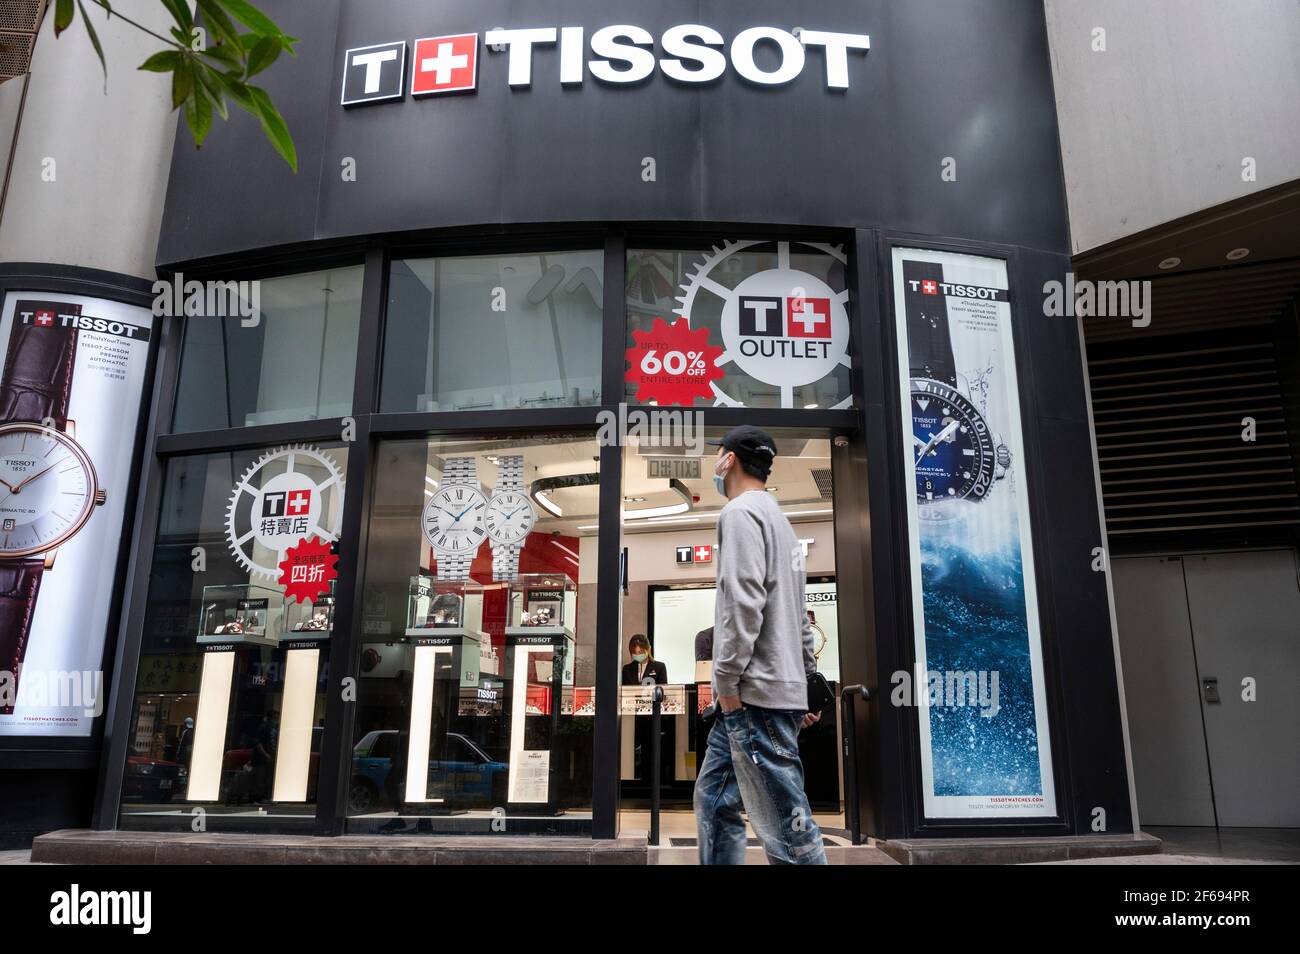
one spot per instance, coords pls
(978, 682)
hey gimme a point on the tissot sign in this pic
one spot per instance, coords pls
(621, 54)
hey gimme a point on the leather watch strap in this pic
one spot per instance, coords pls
(36, 388)
(37, 382)
(929, 341)
(19, 582)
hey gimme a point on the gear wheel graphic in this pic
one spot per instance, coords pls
(293, 479)
(701, 279)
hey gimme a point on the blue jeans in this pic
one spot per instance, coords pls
(752, 760)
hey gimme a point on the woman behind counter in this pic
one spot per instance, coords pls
(643, 666)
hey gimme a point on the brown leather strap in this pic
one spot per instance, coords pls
(19, 582)
(37, 380)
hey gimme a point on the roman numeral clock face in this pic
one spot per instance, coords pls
(510, 518)
(453, 520)
(952, 445)
(47, 489)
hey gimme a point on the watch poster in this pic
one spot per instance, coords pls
(71, 385)
(978, 683)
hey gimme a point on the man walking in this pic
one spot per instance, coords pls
(762, 657)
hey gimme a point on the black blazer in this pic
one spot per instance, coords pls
(654, 668)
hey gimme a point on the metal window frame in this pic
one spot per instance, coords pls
(372, 427)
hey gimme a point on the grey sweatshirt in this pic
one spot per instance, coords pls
(762, 641)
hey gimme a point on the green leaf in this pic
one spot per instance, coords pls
(63, 14)
(265, 52)
(198, 115)
(180, 11)
(238, 91)
(164, 61)
(274, 127)
(219, 23)
(182, 83)
(94, 41)
(227, 54)
(251, 17)
(212, 84)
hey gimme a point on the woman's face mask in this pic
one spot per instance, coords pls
(639, 657)
(719, 481)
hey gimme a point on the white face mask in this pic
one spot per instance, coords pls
(719, 481)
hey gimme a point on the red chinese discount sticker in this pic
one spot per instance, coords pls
(307, 570)
(672, 364)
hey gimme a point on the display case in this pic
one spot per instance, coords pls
(241, 613)
(312, 619)
(434, 604)
(542, 602)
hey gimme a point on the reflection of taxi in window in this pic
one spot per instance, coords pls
(466, 773)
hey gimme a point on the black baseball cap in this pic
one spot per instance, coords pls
(752, 445)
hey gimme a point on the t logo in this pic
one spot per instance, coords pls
(372, 74)
(760, 316)
(445, 64)
(44, 318)
(685, 555)
(929, 287)
(809, 317)
(299, 501)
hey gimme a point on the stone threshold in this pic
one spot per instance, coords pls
(1017, 851)
(84, 847)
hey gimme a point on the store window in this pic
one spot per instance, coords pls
(294, 361)
(475, 694)
(493, 331)
(230, 694)
(768, 320)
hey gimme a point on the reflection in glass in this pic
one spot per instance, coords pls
(493, 331)
(295, 363)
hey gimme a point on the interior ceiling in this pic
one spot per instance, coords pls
(800, 475)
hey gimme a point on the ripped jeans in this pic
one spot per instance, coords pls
(752, 761)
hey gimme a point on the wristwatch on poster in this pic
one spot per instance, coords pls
(957, 456)
(48, 485)
(453, 518)
(510, 518)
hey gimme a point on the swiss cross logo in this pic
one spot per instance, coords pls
(44, 318)
(808, 317)
(372, 74)
(929, 287)
(299, 501)
(704, 553)
(444, 64)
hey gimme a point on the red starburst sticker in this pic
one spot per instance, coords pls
(307, 570)
(671, 364)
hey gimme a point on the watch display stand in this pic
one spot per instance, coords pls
(241, 613)
(538, 673)
(445, 657)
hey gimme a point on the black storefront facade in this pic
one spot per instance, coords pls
(870, 167)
